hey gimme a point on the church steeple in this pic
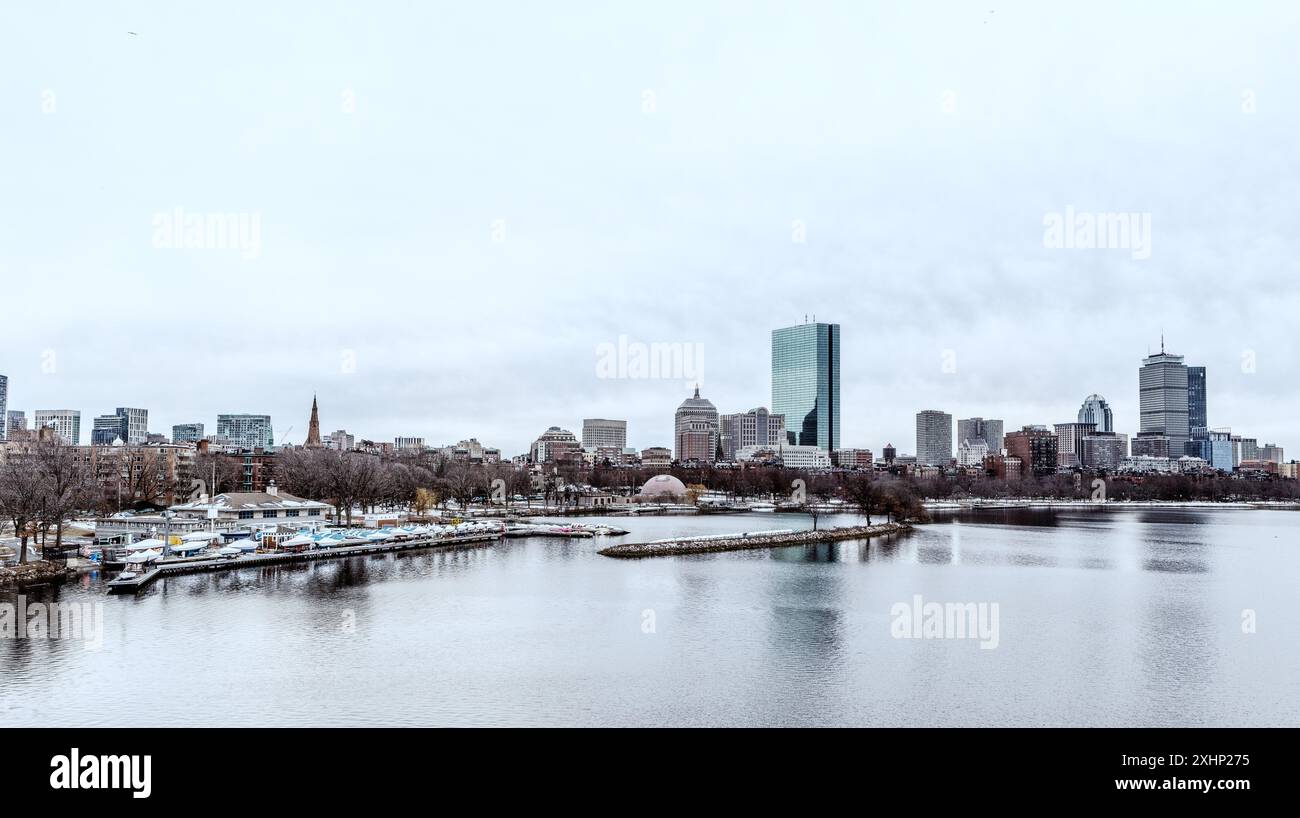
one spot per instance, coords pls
(313, 429)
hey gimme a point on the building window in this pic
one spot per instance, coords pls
(291, 513)
(270, 514)
(245, 515)
(315, 512)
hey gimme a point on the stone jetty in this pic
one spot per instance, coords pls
(37, 572)
(742, 542)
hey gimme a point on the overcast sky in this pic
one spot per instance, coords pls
(459, 204)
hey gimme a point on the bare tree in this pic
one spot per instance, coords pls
(21, 489)
(66, 485)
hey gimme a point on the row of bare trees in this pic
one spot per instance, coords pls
(41, 488)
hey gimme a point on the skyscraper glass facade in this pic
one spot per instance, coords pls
(1162, 398)
(1197, 422)
(806, 383)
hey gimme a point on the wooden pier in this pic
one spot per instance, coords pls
(191, 566)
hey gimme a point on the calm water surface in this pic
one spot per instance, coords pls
(1129, 617)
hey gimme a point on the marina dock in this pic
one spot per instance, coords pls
(740, 542)
(191, 566)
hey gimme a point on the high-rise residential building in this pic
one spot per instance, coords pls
(1096, 411)
(757, 427)
(933, 438)
(1162, 397)
(136, 424)
(15, 424)
(246, 431)
(806, 383)
(1104, 450)
(1035, 446)
(1197, 423)
(187, 433)
(408, 444)
(1249, 448)
(313, 427)
(4, 407)
(1069, 442)
(989, 431)
(108, 429)
(1271, 452)
(599, 433)
(66, 423)
(695, 427)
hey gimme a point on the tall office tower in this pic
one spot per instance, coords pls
(933, 438)
(1069, 442)
(313, 427)
(1036, 448)
(1223, 454)
(696, 430)
(66, 423)
(4, 407)
(1249, 448)
(806, 383)
(136, 424)
(599, 433)
(1095, 410)
(106, 429)
(1271, 452)
(757, 427)
(1197, 424)
(989, 431)
(15, 423)
(1162, 397)
(247, 431)
(187, 433)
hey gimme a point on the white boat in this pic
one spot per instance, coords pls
(762, 508)
(128, 575)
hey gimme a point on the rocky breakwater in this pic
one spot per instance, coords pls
(38, 572)
(741, 542)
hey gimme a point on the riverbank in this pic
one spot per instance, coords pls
(39, 572)
(741, 542)
(1016, 503)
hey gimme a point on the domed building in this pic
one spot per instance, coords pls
(696, 426)
(663, 488)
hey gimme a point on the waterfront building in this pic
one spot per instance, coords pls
(1104, 450)
(1035, 446)
(933, 438)
(972, 451)
(1003, 467)
(1162, 397)
(1148, 464)
(1096, 411)
(259, 506)
(656, 457)
(757, 427)
(989, 431)
(187, 433)
(1197, 423)
(601, 433)
(1069, 442)
(555, 444)
(1153, 444)
(246, 431)
(313, 427)
(696, 430)
(66, 423)
(806, 383)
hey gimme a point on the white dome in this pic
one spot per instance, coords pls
(663, 485)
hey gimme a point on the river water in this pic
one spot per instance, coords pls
(1105, 617)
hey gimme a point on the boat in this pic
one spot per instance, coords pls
(762, 508)
(127, 575)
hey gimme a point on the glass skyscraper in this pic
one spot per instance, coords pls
(1162, 398)
(806, 383)
(1198, 425)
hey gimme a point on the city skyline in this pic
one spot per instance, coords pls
(415, 284)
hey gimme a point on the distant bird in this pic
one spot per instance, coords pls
(133, 34)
